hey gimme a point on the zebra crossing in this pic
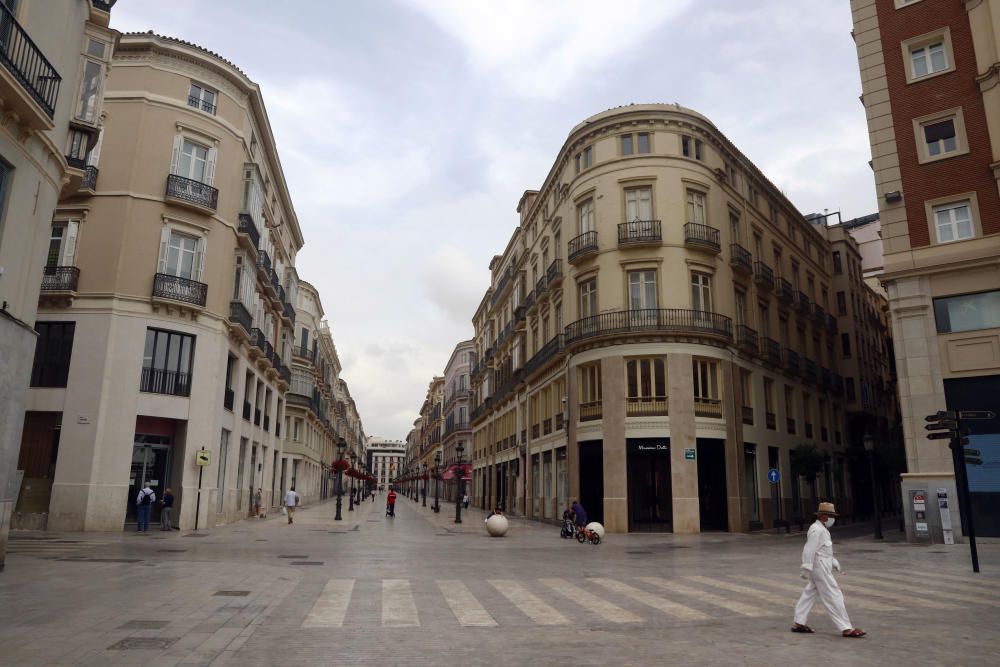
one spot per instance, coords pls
(555, 601)
(48, 547)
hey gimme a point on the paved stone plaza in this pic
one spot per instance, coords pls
(419, 590)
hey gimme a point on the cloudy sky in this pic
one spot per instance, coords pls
(408, 130)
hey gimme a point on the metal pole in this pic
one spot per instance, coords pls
(964, 501)
(350, 505)
(340, 494)
(875, 504)
(197, 503)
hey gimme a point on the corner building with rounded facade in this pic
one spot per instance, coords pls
(657, 337)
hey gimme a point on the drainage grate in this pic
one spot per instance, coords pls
(233, 594)
(110, 560)
(293, 557)
(307, 562)
(144, 625)
(196, 535)
(636, 553)
(143, 643)
(260, 540)
(175, 551)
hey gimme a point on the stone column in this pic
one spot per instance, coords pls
(683, 474)
(615, 469)
(732, 412)
(572, 446)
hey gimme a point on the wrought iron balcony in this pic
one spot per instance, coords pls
(246, 410)
(540, 287)
(501, 285)
(748, 415)
(554, 273)
(176, 288)
(284, 372)
(831, 323)
(790, 425)
(192, 191)
(763, 275)
(529, 299)
(76, 162)
(668, 320)
(89, 181)
(248, 227)
(228, 398)
(60, 278)
(785, 290)
(239, 314)
(582, 246)
(802, 302)
(819, 314)
(303, 352)
(740, 259)
(198, 103)
(703, 237)
(264, 264)
(770, 420)
(770, 349)
(639, 232)
(258, 340)
(157, 381)
(26, 63)
(545, 354)
(747, 339)
(791, 358)
(810, 371)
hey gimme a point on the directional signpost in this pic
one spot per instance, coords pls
(773, 476)
(947, 425)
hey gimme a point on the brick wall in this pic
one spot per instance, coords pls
(963, 173)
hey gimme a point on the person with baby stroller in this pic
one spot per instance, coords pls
(568, 528)
(390, 503)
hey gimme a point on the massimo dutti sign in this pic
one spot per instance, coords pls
(648, 446)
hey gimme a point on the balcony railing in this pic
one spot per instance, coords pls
(239, 314)
(289, 311)
(198, 103)
(639, 232)
(89, 181)
(24, 60)
(707, 407)
(771, 420)
(257, 339)
(540, 287)
(770, 349)
(790, 425)
(176, 288)
(304, 352)
(740, 258)
(583, 245)
(190, 190)
(809, 430)
(702, 236)
(156, 381)
(284, 372)
(249, 227)
(666, 320)
(819, 314)
(590, 411)
(748, 415)
(502, 285)
(228, 398)
(763, 275)
(246, 410)
(544, 354)
(810, 371)
(554, 272)
(646, 406)
(802, 302)
(831, 323)
(791, 360)
(264, 263)
(60, 278)
(747, 339)
(785, 290)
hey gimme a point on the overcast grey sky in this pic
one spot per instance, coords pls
(408, 130)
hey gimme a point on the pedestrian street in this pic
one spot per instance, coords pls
(418, 589)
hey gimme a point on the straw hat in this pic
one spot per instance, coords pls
(827, 508)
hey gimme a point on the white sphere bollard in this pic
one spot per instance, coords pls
(497, 525)
(597, 528)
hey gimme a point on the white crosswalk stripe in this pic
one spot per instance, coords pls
(929, 589)
(49, 547)
(976, 584)
(704, 596)
(331, 606)
(854, 600)
(398, 608)
(650, 600)
(528, 602)
(606, 610)
(772, 598)
(464, 605)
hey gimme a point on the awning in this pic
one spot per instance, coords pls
(452, 471)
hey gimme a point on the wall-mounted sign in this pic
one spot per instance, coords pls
(773, 476)
(689, 454)
(202, 457)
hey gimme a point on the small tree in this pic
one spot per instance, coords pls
(807, 463)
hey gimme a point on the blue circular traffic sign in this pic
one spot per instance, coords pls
(773, 476)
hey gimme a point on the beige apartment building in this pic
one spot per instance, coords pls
(385, 460)
(659, 334)
(930, 76)
(52, 73)
(456, 443)
(167, 327)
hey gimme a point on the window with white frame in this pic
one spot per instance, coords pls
(928, 59)
(696, 207)
(706, 380)
(588, 298)
(244, 281)
(62, 243)
(642, 290)
(701, 292)
(193, 160)
(90, 91)
(588, 157)
(181, 255)
(639, 204)
(645, 379)
(585, 216)
(202, 98)
(953, 221)
(940, 137)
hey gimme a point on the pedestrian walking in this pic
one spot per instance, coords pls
(373, 495)
(258, 498)
(465, 501)
(166, 509)
(390, 503)
(818, 564)
(291, 502)
(143, 504)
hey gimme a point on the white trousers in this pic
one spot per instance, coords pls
(824, 586)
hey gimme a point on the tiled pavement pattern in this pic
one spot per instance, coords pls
(419, 590)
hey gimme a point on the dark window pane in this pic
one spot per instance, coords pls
(53, 350)
(938, 131)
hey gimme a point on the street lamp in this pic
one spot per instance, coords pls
(437, 474)
(459, 482)
(350, 502)
(423, 493)
(870, 448)
(341, 446)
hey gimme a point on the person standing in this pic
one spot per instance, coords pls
(143, 504)
(579, 514)
(166, 509)
(291, 502)
(465, 501)
(817, 568)
(257, 499)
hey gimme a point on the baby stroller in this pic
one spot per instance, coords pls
(390, 510)
(568, 528)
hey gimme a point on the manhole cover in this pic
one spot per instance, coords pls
(307, 562)
(144, 625)
(293, 557)
(233, 594)
(196, 535)
(143, 643)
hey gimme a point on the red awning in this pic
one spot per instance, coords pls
(465, 470)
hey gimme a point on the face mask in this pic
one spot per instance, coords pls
(829, 521)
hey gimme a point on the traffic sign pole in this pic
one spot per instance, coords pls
(947, 424)
(965, 502)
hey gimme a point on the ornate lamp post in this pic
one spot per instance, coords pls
(437, 475)
(423, 493)
(460, 483)
(341, 446)
(350, 501)
(870, 448)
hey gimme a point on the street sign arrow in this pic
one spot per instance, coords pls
(941, 414)
(946, 423)
(976, 414)
(943, 435)
(973, 462)
(973, 452)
